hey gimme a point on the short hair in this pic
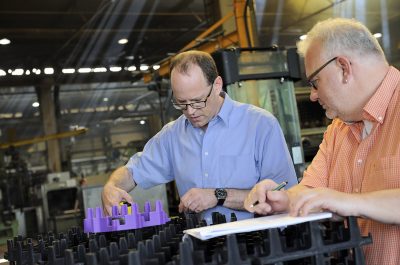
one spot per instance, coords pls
(341, 35)
(183, 61)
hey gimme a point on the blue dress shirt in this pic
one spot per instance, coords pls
(242, 145)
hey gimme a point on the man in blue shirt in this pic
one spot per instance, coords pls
(216, 151)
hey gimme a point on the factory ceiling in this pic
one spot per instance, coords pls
(118, 37)
(67, 34)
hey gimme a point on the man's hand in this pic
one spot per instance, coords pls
(324, 199)
(268, 201)
(197, 200)
(112, 195)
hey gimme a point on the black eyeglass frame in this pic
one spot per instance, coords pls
(311, 82)
(184, 106)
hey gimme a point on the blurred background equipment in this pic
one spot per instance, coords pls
(20, 203)
(265, 78)
(61, 203)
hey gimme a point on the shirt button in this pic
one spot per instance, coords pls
(206, 153)
(201, 133)
(359, 161)
(380, 118)
(206, 174)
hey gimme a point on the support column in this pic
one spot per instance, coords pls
(49, 121)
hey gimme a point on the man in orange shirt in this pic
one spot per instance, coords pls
(357, 168)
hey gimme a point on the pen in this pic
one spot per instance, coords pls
(279, 187)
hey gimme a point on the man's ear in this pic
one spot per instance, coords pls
(345, 64)
(218, 83)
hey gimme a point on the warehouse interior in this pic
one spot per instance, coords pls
(84, 85)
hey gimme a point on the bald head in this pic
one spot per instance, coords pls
(185, 60)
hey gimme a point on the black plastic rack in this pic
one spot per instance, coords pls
(317, 242)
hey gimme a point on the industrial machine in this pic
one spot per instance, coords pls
(61, 202)
(264, 77)
(20, 208)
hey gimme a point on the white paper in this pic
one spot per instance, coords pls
(254, 224)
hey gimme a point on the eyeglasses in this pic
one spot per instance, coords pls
(195, 105)
(312, 83)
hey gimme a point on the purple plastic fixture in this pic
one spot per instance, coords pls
(95, 223)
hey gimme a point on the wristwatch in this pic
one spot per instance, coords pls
(221, 196)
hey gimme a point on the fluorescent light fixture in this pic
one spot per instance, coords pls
(48, 70)
(100, 70)
(142, 122)
(5, 41)
(156, 67)
(35, 104)
(131, 68)
(68, 70)
(303, 37)
(105, 99)
(84, 70)
(123, 41)
(378, 35)
(115, 68)
(2, 72)
(18, 71)
(144, 67)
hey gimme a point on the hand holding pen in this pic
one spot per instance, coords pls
(262, 201)
(279, 187)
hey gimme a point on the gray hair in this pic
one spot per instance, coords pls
(341, 36)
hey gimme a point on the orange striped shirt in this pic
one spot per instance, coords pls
(348, 163)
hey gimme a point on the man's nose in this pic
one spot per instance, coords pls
(313, 95)
(190, 110)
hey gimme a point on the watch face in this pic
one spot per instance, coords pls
(220, 193)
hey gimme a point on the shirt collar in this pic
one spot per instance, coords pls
(226, 109)
(376, 107)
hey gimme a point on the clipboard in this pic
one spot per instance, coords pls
(254, 224)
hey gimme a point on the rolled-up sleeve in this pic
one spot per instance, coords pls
(154, 161)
